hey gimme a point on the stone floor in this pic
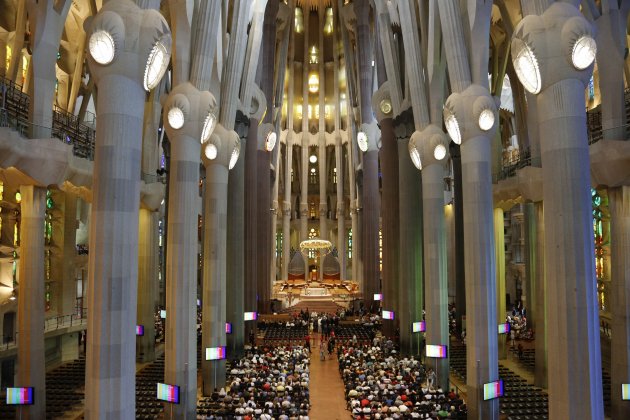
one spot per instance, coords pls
(326, 387)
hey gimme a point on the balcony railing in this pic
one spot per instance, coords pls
(14, 106)
(51, 324)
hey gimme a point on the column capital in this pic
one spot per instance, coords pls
(189, 112)
(223, 148)
(559, 44)
(128, 41)
(368, 137)
(428, 147)
(471, 113)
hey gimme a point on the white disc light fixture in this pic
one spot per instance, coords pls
(439, 152)
(156, 65)
(234, 157)
(176, 118)
(415, 155)
(211, 151)
(583, 53)
(362, 141)
(452, 126)
(526, 66)
(208, 127)
(270, 141)
(486, 119)
(102, 47)
(312, 158)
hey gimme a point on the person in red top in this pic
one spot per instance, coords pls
(307, 342)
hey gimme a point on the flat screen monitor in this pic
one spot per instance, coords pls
(163, 314)
(215, 353)
(419, 326)
(228, 328)
(625, 392)
(140, 330)
(250, 316)
(493, 390)
(378, 296)
(20, 396)
(504, 328)
(198, 302)
(437, 351)
(168, 393)
(388, 315)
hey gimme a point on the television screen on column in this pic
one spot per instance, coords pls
(437, 351)
(419, 326)
(168, 393)
(250, 316)
(163, 314)
(215, 353)
(388, 315)
(504, 328)
(625, 392)
(378, 296)
(139, 330)
(20, 396)
(493, 390)
(228, 328)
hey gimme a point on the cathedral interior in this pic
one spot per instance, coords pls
(302, 209)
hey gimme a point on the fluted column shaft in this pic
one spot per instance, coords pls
(341, 210)
(286, 212)
(252, 253)
(391, 216)
(304, 213)
(619, 199)
(371, 208)
(204, 43)
(235, 296)
(569, 249)
(456, 51)
(31, 358)
(499, 256)
(214, 285)
(435, 257)
(181, 272)
(540, 312)
(481, 322)
(407, 284)
(113, 259)
(147, 283)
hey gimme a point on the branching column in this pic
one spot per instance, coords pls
(113, 260)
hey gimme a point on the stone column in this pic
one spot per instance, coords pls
(619, 200)
(370, 218)
(31, 358)
(569, 248)
(434, 239)
(391, 217)
(409, 285)
(304, 213)
(464, 109)
(236, 251)
(147, 283)
(113, 259)
(540, 285)
(218, 152)
(499, 255)
(185, 135)
(286, 208)
(251, 214)
(341, 211)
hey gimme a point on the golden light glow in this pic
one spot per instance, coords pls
(313, 83)
(313, 55)
(9, 55)
(299, 20)
(328, 25)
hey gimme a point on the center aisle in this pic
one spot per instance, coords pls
(326, 387)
